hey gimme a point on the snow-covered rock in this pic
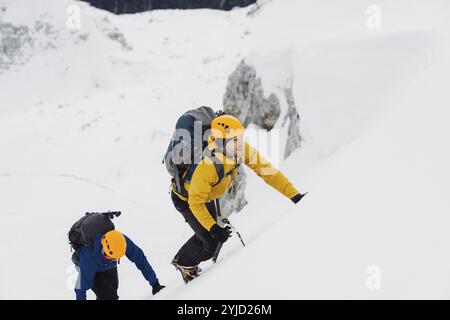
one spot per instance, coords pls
(84, 126)
(294, 138)
(244, 98)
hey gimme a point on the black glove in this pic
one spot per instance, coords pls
(220, 234)
(298, 197)
(157, 288)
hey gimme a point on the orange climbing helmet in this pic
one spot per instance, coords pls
(226, 127)
(114, 244)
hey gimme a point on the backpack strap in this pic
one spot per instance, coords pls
(189, 173)
(179, 184)
(220, 173)
(181, 180)
(217, 164)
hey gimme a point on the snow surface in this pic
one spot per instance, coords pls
(84, 125)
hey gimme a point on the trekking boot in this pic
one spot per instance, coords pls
(188, 273)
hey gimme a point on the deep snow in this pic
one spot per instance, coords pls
(83, 127)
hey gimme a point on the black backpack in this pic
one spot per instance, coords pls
(187, 147)
(84, 231)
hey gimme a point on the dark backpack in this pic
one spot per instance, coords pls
(187, 147)
(84, 231)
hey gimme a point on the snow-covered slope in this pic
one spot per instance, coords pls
(84, 124)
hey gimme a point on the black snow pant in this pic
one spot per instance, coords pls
(106, 284)
(201, 246)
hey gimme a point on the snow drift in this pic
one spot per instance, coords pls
(84, 124)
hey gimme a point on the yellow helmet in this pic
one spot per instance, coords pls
(114, 244)
(225, 127)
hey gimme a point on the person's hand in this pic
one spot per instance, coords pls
(220, 234)
(298, 197)
(157, 288)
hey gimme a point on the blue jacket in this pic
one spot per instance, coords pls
(92, 261)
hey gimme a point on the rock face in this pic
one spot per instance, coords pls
(133, 6)
(15, 45)
(294, 138)
(244, 98)
(19, 43)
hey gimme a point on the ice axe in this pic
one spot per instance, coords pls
(226, 222)
(233, 229)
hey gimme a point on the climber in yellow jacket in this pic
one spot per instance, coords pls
(211, 178)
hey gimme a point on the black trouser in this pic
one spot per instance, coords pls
(106, 284)
(201, 246)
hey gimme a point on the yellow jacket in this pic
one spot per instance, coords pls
(201, 189)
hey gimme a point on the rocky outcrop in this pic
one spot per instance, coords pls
(244, 98)
(16, 44)
(294, 138)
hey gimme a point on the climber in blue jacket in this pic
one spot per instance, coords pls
(98, 266)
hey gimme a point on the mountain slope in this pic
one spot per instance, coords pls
(84, 126)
